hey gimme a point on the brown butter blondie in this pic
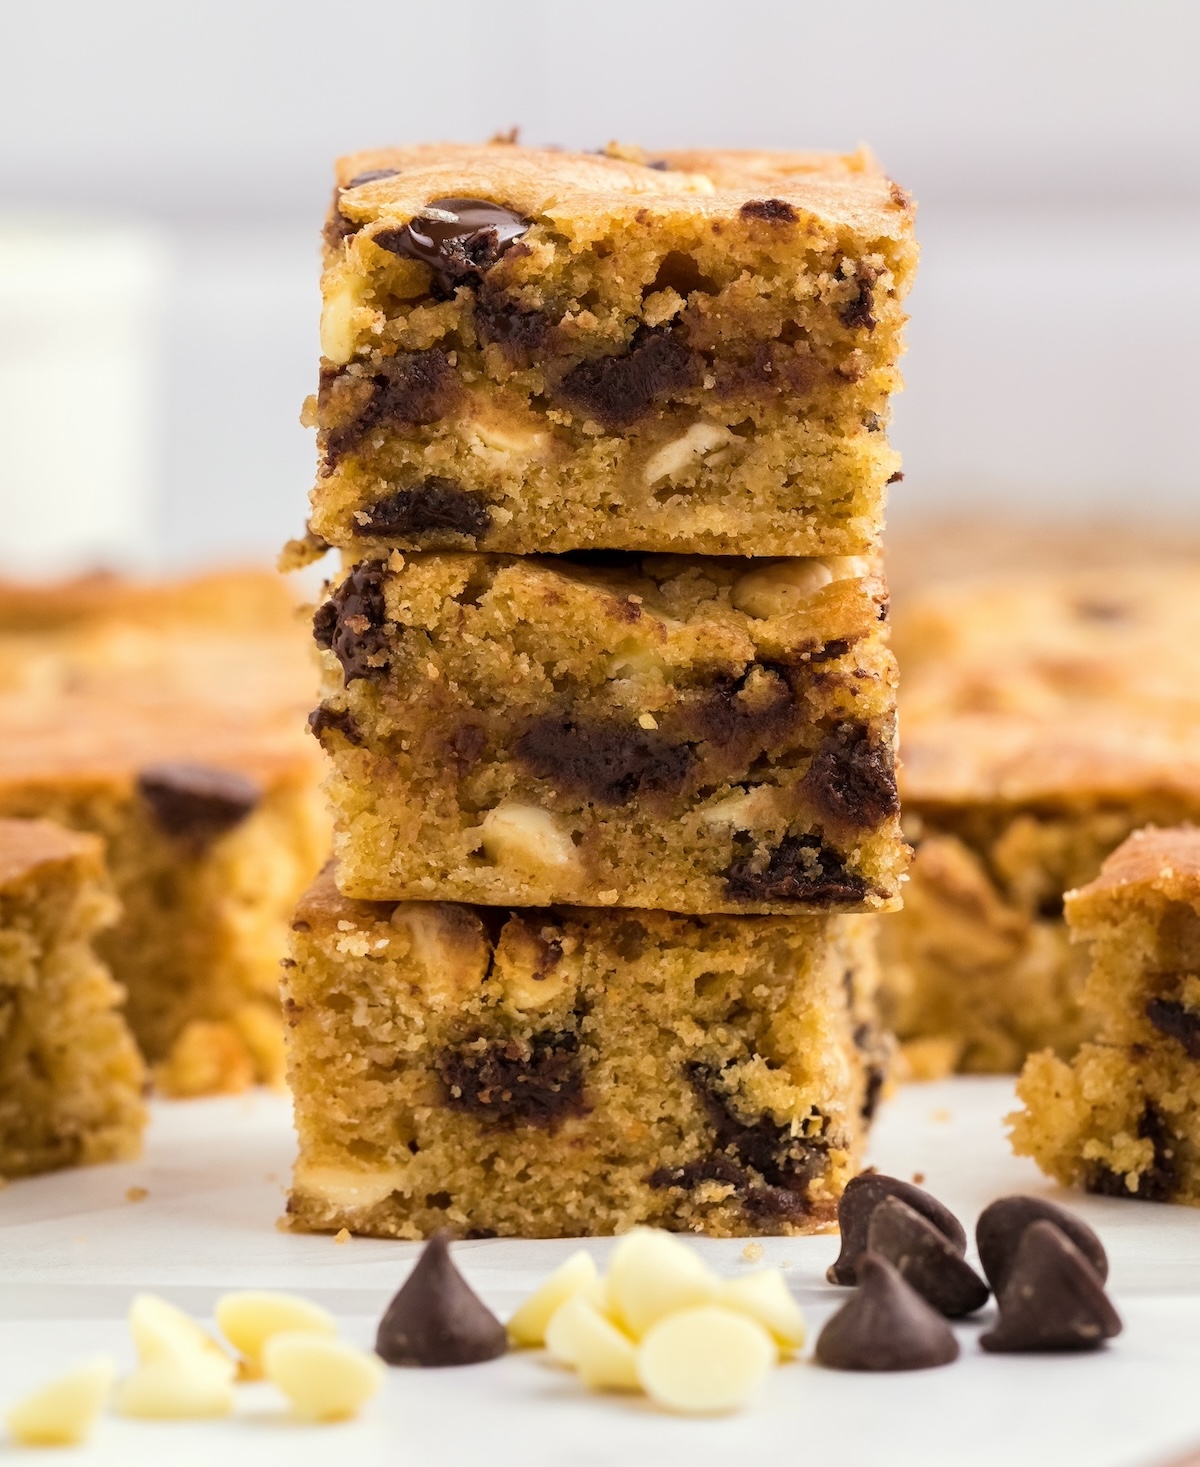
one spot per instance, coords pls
(555, 1072)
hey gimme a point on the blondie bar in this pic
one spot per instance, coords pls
(169, 720)
(556, 1072)
(531, 350)
(1122, 1117)
(686, 733)
(70, 1073)
(1044, 718)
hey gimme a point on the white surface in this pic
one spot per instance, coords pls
(73, 1250)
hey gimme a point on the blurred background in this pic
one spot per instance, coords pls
(164, 173)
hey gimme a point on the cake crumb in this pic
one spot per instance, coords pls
(918, 1179)
(136, 1194)
(940, 1116)
(752, 1252)
(342, 1235)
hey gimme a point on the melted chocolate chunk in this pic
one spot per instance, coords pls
(437, 1318)
(430, 511)
(608, 763)
(857, 1206)
(1156, 1183)
(340, 227)
(618, 390)
(325, 720)
(1176, 1022)
(459, 239)
(1053, 1299)
(858, 314)
(530, 1082)
(518, 331)
(852, 778)
(777, 210)
(925, 1259)
(351, 622)
(800, 869)
(408, 390)
(885, 1325)
(196, 803)
(1002, 1225)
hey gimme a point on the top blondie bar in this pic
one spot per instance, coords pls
(530, 350)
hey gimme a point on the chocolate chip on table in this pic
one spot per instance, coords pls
(459, 239)
(885, 1325)
(437, 1318)
(1002, 1225)
(1052, 1298)
(925, 1259)
(858, 1202)
(197, 803)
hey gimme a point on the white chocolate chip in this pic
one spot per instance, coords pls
(347, 1187)
(162, 1332)
(528, 838)
(507, 440)
(177, 1388)
(249, 1319)
(705, 1361)
(324, 1379)
(780, 587)
(675, 458)
(647, 721)
(747, 811)
(338, 333)
(765, 1296)
(580, 1336)
(652, 1275)
(848, 567)
(62, 1413)
(450, 945)
(527, 1327)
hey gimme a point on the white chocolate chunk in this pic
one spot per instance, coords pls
(765, 1296)
(62, 1413)
(162, 1332)
(249, 1319)
(652, 1275)
(527, 1327)
(676, 457)
(528, 838)
(338, 333)
(744, 811)
(705, 1361)
(580, 1336)
(448, 943)
(344, 1186)
(780, 587)
(178, 1388)
(508, 440)
(324, 1379)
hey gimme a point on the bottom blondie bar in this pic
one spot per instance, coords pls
(1123, 1116)
(563, 1071)
(70, 1074)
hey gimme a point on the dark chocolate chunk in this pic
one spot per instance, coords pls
(351, 622)
(618, 390)
(531, 1082)
(519, 331)
(1176, 1022)
(340, 226)
(1002, 1224)
(196, 803)
(777, 210)
(858, 313)
(885, 1325)
(325, 720)
(437, 1318)
(925, 1259)
(610, 763)
(429, 512)
(459, 239)
(1053, 1299)
(408, 390)
(897, 477)
(799, 869)
(858, 1202)
(852, 777)
(371, 176)
(1157, 1182)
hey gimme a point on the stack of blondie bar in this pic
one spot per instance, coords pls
(608, 698)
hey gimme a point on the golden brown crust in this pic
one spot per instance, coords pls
(1164, 863)
(27, 844)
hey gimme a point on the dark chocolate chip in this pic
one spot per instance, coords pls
(1053, 1299)
(777, 210)
(858, 314)
(517, 330)
(610, 763)
(325, 720)
(459, 250)
(897, 477)
(1157, 1182)
(852, 777)
(885, 1325)
(618, 390)
(1002, 1224)
(925, 1259)
(437, 1318)
(799, 869)
(429, 512)
(531, 1082)
(1176, 1022)
(408, 390)
(196, 803)
(351, 622)
(858, 1202)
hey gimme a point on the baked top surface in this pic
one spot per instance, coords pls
(1166, 861)
(848, 191)
(28, 844)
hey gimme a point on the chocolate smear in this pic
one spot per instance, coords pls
(459, 239)
(925, 1259)
(437, 1318)
(859, 1201)
(197, 803)
(1053, 1299)
(1002, 1225)
(885, 1325)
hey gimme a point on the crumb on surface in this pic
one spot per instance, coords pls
(342, 1235)
(940, 1116)
(753, 1251)
(136, 1194)
(918, 1179)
